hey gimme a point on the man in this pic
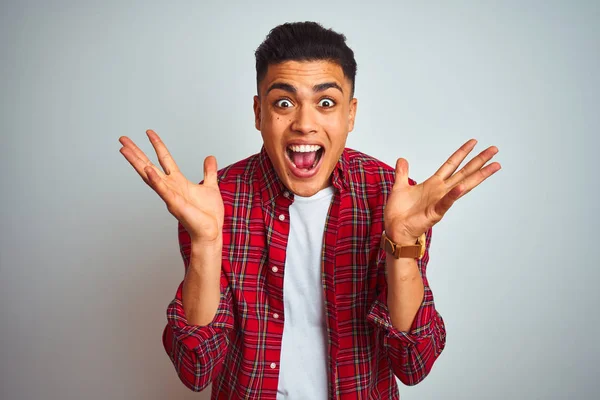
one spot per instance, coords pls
(305, 263)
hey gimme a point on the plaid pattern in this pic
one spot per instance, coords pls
(238, 352)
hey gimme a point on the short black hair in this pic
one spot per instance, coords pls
(304, 41)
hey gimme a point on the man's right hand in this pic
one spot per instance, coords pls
(199, 207)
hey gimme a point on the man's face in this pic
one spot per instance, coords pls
(304, 114)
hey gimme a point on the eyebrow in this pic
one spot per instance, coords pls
(283, 86)
(321, 87)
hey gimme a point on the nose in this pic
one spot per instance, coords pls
(305, 120)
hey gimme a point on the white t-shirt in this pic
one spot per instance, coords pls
(303, 364)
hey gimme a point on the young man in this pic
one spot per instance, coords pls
(305, 263)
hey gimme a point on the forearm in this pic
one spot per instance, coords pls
(412, 332)
(405, 291)
(201, 286)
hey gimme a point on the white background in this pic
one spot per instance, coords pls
(88, 253)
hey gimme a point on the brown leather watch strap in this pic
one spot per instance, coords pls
(409, 251)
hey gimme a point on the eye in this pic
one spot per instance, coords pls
(326, 103)
(283, 103)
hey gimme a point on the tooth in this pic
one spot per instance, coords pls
(304, 148)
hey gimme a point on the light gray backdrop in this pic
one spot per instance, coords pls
(88, 255)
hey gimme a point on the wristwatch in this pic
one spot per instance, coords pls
(416, 250)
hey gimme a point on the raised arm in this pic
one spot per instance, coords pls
(200, 317)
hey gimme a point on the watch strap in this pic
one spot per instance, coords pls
(407, 251)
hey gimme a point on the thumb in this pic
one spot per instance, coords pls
(210, 171)
(401, 173)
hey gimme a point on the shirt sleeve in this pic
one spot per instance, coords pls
(197, 352)
(412, 353)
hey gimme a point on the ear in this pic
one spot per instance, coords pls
(352, 114)
(257, 113)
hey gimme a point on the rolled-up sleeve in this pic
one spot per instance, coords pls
(412, 353)
(197, 352)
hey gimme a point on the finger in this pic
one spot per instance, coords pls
(448, 168)
(444, 204)
(472, 166)
(210, 171)
(164, 157)
(159, 186)
(475, 179)
(126, 142)
(401, 174)
(138, 163)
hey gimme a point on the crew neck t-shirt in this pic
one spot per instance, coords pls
(303, 371)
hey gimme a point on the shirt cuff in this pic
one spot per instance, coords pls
(193, 336)
(421, 328)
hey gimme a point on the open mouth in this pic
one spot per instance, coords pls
(304, 160)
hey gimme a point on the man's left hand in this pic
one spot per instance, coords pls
(411, 210)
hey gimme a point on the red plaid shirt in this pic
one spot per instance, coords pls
(239, 351)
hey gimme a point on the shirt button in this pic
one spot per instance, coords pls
(273, 365)
(274, 269)
(281, 217)
(276, 316)
(286, 194)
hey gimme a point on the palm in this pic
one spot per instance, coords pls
(414, 206)
(199, 207)
(412, 209)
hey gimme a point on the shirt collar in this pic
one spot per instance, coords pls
(271, 186)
